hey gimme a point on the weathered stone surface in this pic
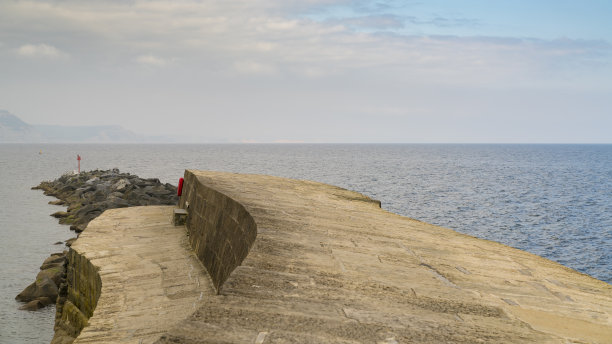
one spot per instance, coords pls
(329, 266)
(42, 287)
(148, 276)
(221, 230)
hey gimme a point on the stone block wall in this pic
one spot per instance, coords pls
(78, 297)
(221, 231)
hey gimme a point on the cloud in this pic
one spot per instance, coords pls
(373, 22)
(284, 66)
(269, 39)
(151, 61)
(41, 51)
(254, 68)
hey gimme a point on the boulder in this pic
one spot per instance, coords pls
(157, 191)
(121, 185)
(33, 305)
(98, 196)
(54, 273)
(53, 261)
(43, 287)
(116, 202)
(88, 209)
(78, 228)
(60, 214)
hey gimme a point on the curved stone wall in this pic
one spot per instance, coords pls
(221, 231)
(80, 296)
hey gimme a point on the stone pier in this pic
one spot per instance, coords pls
(150, 279)
(303, 262)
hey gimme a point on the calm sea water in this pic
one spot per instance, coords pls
(551, 200)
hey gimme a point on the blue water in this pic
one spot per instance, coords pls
(551, 200)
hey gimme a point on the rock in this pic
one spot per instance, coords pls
(54, 273)
(58, 243)
(67, 189)
(45, 301)
(57, 202)
(70, 241)
(33, 305)
(43, 287)
(77, 228)
(60, 214)
(115, 202)
(53, 261)
(158, 191)
(80, 191)
(121, 185)
(88, 209)
(98, 196)
(37, 304)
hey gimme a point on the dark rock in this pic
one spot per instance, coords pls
(33, 305)
(58, 243)
(115, 202)
(60, 214)
(46, 301)
(77, 228)
(158, 191)
(80, 191)
(67, 189)
(54, 273)
(53, 261)
(98, 196)
(88, 209)
(42, 287)
(70, 241)
(57, 202)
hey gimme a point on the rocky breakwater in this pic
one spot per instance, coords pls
(86, 195)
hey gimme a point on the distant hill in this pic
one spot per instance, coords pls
(14, 130)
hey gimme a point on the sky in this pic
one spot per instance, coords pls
(465, 71)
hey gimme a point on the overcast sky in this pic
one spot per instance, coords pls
(314, 70)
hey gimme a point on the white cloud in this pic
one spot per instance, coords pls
(254, 68)
(150, 60)
(41, 51)
(282, 66)
(267, 38)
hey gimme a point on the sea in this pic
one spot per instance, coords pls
(551, 200)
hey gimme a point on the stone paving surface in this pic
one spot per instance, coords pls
(151, 280)
(329, 266)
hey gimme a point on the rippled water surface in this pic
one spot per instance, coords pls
(551, 200)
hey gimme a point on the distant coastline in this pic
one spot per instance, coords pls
(15, 130)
